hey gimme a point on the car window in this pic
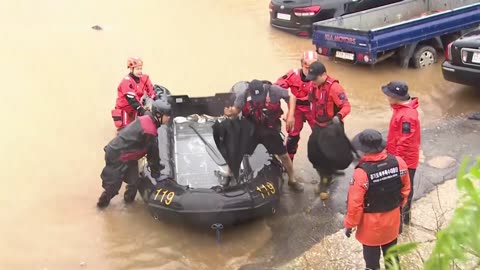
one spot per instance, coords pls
(360, 5)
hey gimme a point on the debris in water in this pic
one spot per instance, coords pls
(97, 27)
(474, 116)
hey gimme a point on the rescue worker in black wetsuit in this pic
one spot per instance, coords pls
(136, 140)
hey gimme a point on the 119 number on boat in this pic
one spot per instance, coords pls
(266, 189)
(165, 196)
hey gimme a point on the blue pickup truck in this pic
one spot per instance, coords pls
(412, 31)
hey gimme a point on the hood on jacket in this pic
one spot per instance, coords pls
(412, 103)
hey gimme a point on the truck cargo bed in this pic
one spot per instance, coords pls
(378, 31)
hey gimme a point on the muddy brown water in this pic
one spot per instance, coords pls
(59, 84)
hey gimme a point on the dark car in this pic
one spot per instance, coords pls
(297, 16)
(462, 63)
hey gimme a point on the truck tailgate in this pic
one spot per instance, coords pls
(341, 40)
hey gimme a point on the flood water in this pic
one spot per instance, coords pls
(59, 85)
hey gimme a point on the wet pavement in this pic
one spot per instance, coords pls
(60, 85)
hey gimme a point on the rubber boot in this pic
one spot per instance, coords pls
(130, 193)
(323, 186)
(104, 200)
(224, 178)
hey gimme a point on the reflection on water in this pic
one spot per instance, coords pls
(147, 244)
(60, 80)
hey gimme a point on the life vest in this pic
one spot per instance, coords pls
(320, 102)
(384, 185)
(264, 113)
(129, 86)
(299, 88)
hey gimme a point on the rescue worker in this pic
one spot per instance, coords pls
(259, 102)
(404, 132)
(329, 105)
(123, 152)
(300, 87)
(379, 187)
(130, 92)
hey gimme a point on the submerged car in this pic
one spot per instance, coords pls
(462, 60)
(190, 189)
(297, 16)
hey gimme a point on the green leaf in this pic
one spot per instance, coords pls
(461, 173)
(471, 190)
(462, 235)
(392, 264)
(402, 249)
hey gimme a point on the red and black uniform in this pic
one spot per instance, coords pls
(327, 101)
(129, 94)
(380, 186)
(404, 141)
(265, 113)
(300, 88)
(123, 152)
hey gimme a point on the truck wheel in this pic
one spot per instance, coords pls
(424, 56)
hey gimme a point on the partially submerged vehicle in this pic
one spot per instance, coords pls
(411, 30)
(190, 189)
(462, 60)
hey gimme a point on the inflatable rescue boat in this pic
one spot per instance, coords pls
(190, 189)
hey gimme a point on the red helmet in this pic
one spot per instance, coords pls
(309, 57)
(134, 62)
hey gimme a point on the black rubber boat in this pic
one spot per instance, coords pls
(190, 191)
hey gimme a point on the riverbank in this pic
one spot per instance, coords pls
(430, 214)
(313, 237)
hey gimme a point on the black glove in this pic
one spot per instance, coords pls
(348, 232)
(140, 111)
(336, 119)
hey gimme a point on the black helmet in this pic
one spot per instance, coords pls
(161, 91)
(267, 82)
(162, 107)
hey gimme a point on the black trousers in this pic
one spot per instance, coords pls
(113, 174)
(371, 255)
(406, 216)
